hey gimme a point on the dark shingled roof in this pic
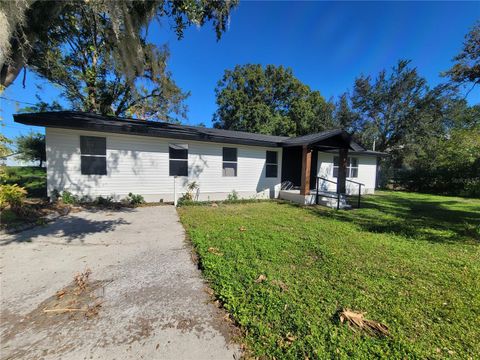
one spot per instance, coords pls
(95, 122)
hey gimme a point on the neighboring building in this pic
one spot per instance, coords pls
(89, 154)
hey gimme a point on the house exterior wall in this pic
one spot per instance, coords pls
(367, 170)
(140, 164)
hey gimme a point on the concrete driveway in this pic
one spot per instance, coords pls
(154, 304)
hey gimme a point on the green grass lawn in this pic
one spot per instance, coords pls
(32, 178)
(410, 261)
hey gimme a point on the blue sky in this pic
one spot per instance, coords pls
(327, 44)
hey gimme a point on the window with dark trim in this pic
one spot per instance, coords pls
(352, 167)
(178, 156)
(271, 164)
(93, 159)
(229, 161)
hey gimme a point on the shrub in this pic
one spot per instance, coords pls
(13, 196)
(134, 199)
(233, 196)
(103, 201)
(188, 196)
(69, 198)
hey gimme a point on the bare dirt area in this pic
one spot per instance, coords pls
(107, 285)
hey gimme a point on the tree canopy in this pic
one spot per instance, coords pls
(79, 58)
(269, 100)
(31, 147)
(466, 68)
(29, 23)
(395, 106)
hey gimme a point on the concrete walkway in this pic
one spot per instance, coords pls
(154, 300)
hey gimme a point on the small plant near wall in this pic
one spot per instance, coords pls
(134, 199)
(69, 198)
(191, 187)
(103, 201)
(233, 196)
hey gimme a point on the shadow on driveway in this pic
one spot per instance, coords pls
(69, 228)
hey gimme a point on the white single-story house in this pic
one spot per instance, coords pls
(95, 155)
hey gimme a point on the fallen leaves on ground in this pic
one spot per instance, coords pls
(215, 251)
(280, 284)
(261, 278)
(78, 297)
(356, 320)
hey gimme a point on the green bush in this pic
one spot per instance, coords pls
(13, 196)
(103, 201)
(134, 199)
(69, 198)
(233, 196)
(188, 196)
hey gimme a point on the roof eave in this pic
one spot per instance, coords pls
(136, 129)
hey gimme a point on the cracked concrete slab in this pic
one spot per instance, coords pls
(154, 303)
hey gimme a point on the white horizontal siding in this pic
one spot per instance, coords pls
(367, 170)
(140, 165)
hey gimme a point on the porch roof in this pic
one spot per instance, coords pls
(321, 139)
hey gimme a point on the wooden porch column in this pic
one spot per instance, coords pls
(342, 171)
(306, 168)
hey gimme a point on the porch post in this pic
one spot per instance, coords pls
(306, 167)
(342, 171)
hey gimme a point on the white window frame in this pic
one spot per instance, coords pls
(350, 168)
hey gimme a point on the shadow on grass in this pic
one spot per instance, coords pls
(418, 217)
(66, 230)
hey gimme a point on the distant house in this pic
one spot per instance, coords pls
(89, 154)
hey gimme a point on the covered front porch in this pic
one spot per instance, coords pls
(300, 180)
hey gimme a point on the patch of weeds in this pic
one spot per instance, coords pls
(134, 200)
(188, 196)
(103, 201)
(69, 198)
(233, 196)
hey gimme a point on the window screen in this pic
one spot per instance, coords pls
(93, 160)
(352, 167)
(178, 156)
(230, 162)
(271, 165)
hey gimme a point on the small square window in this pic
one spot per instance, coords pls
(229, 169)
(94, 165)
(178, 168)
(229, 154)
